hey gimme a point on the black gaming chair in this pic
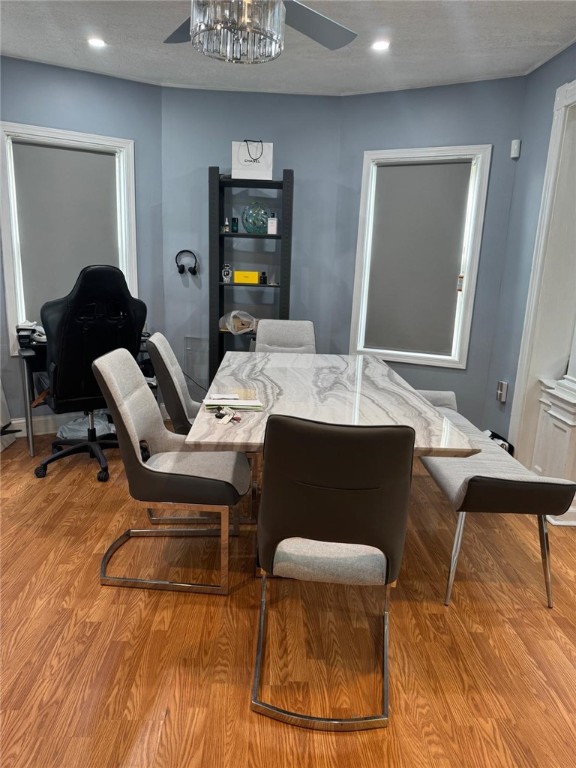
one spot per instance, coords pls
(98, 315)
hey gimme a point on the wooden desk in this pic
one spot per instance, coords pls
(340, 389)
(32, 360)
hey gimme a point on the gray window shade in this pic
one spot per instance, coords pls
(67, 217)
(416, 255)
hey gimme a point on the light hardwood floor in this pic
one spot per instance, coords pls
(104, 677)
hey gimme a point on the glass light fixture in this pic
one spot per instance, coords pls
(238, 31)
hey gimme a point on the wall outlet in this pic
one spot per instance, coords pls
(515, 148)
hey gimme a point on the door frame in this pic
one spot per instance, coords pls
(565, 98)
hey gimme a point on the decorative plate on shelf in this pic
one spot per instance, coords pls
(255, 219)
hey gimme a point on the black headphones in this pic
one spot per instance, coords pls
(193, 268)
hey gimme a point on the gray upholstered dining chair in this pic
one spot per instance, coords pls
(333, 509)
(181, 408)
(171, 474)
(285, 336)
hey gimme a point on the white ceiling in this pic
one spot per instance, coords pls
(432, 43)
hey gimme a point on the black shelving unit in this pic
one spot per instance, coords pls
(244, 251)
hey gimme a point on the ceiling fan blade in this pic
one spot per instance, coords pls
(320, 28)
(314, 25)
(180, 35)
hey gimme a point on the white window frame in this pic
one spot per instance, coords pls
(122, 149)
(480, 156)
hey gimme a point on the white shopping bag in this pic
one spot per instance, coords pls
(238, 322)
(251, 159)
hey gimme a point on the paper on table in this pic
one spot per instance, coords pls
(226, 396)
(236, 405)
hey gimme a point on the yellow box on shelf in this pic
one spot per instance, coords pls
(246, 277)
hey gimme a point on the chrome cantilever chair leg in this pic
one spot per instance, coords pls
(454, 557)
(309, 721)
(207, 518)
(545, 552)
(255, 460)
(127, 581)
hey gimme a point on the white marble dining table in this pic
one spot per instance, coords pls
(338, 389)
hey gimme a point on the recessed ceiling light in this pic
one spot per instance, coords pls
(381, 45)
(96, 42)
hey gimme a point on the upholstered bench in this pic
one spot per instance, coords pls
(493, 481)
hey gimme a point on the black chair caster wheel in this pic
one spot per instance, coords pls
(40, 471)
(103, 475)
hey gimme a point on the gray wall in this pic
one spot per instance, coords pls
(197, 131)
(179, 133)
(479, 113)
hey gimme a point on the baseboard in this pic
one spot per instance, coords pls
(6, 440)
(567, 519)
(50, 423)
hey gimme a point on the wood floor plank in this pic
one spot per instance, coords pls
(106, 677)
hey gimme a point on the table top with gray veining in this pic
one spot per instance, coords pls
(339, 389)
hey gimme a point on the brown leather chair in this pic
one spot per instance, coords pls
(172, 472)
(334, 508)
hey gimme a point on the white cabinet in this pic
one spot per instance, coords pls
(555, 446)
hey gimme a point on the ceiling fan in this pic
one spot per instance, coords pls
(250, 31)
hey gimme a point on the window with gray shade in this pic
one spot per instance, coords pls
(68, 200)
(416, 249)
(418, 245)
(67, 217)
